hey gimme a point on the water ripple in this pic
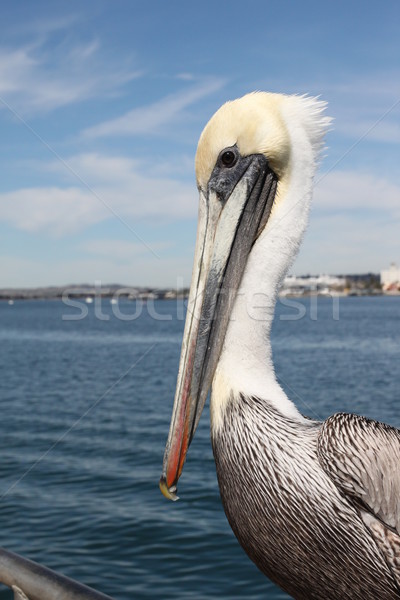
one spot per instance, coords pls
(81, 456)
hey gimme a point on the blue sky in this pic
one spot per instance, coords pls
(102, 104)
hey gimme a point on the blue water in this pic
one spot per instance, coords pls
(85, 409)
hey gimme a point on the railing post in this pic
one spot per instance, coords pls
(32, 581)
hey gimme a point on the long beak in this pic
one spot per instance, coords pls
(225, 236)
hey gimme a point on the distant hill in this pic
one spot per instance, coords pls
(87, 290)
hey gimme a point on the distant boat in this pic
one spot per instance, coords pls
(11, 302)
(89, 300)
(113, 301)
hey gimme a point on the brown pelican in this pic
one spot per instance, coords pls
(316, 505)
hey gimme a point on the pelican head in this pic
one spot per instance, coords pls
(255, 163)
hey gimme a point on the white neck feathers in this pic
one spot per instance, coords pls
(245, 364)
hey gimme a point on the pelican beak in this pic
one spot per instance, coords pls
(232, 213)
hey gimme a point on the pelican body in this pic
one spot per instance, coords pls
(316, 505)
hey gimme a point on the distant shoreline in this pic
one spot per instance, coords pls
(91, 291)
(353, 285)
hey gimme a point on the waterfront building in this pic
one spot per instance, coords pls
(390, 278)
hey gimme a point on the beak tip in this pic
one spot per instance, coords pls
(168, 492)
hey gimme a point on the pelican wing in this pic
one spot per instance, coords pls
(362, 457)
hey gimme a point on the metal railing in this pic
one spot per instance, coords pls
(32, 581)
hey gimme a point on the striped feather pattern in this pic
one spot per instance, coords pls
(362, 457)
(288, 514)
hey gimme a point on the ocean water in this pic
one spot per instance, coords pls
(85, 409)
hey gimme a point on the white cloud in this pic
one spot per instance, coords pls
(31, 80)
(148, 271)
(149, 119)
(45, 25)
(349, 190)
(341, 244)
(379, 124)
(116, 187)
(365, 105)
(354, 225)
(121, 251)
(185, 76)
(51, 210)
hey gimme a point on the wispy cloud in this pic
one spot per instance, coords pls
(30, 272)
(120, 251)
(44, 25)
(364, 102)
(53, 210)
(32, 81)
(386, 131)
(354, 225)
(128, 188)
(149, 119)
(367, 103)
(344, 191)
(340, 243)
(185, 76)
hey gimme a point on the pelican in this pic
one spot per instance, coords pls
(316, 505)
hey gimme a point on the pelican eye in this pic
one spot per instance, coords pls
(228, 158)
